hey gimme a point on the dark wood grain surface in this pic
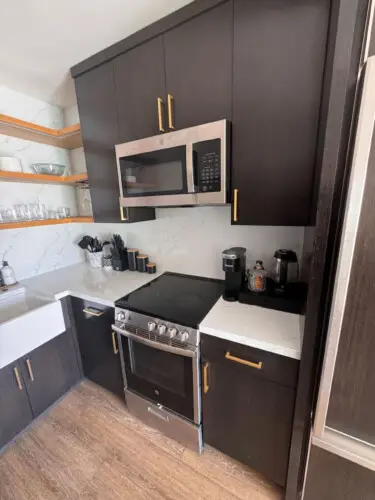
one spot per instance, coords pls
(247, 417)
(352, 404)
(198, 61)
(346, 29)
(276, 101)
(15, 409)
(330, 477)
(55, 369)
(140, 80)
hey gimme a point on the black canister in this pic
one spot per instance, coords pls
(142, 261)
(151, 268)
(132, 258)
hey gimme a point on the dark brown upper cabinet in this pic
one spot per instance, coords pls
(140, 91)
(279, 55)
(97, 108)
(198, 64)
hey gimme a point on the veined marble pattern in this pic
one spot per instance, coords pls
(191, 240)
(35, 250)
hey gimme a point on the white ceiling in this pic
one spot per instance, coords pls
(41, 39)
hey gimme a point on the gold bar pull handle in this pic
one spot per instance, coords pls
(170, 112)
(18, 378)
(235, 205)
(205, 378)
(160, 114)
(115, 348)
(28, 364)
(122, 216)
(258, 366)
(93, 312)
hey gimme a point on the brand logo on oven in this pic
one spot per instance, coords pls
(156, 392)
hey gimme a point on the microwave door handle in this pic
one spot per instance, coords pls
(156, 345)
(191, 169)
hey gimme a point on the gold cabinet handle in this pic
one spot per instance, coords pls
(258, 366)
(122, 216)
(93, 313)
(115, 348)
(160, 114)
(28, 364)
(205, 378)
(170, 112)
(235, 205)
(18, 378)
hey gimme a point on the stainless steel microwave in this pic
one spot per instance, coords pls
(181, 168)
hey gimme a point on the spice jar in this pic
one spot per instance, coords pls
(257, 277)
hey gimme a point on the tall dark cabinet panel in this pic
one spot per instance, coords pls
(198, 62)
(352, 406)
(15, 409)
(140, 81)
(97, 108)
(49, 371)
(330, 477)
(279, 55)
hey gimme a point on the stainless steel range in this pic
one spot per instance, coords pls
(160, 355)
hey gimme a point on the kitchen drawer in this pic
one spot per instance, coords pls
(257, 362)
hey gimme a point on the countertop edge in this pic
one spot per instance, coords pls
(258, 344)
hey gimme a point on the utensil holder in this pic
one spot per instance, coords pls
(95, 260)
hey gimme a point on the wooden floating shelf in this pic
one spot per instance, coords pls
(70, 180)
(67, 138)
(44, 222)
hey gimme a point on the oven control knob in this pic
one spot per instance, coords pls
(151, 326)
(162, 329)
(183, 336)
(172, 332)
(121, 316)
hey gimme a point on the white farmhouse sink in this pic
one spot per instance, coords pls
(27, 321)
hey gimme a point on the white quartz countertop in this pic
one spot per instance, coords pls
(97, 285)
(267, 329)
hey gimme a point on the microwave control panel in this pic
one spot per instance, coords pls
(207, 165)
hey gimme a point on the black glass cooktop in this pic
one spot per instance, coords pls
(173, 297)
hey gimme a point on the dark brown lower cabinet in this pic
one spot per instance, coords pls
(247, 414)
(49, 371)
(98, 345)
(15, 409)
(330, 477)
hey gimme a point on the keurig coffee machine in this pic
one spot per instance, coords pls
(234, 266)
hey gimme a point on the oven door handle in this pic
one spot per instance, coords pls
(162, 347)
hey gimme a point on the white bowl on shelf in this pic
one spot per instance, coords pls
(10, 164)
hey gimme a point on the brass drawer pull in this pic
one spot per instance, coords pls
(160, 114)
(235, 205)
(170, 111)
(258, 366)
(122, 216)
(115, 348)
(18, 378)
(205, 378)
(28, 364)
(93, 313)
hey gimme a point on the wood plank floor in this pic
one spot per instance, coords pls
(90, 447)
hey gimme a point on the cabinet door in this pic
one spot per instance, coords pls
(99, 127)
(140, 81)
(247, 417)
(198, 59)
(49, 371)
(15, 409)
(279, 55)
(98, 346)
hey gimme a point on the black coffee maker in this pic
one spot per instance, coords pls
(234, 266)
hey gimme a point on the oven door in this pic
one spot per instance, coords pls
(166, 375)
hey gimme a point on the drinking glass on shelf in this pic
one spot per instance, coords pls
(40, 211)
(21, 212)
(52, 214)
(63, 212)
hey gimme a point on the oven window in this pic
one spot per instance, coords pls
(158, 172)
(160, 368)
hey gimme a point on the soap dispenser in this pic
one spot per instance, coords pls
(7, 273)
